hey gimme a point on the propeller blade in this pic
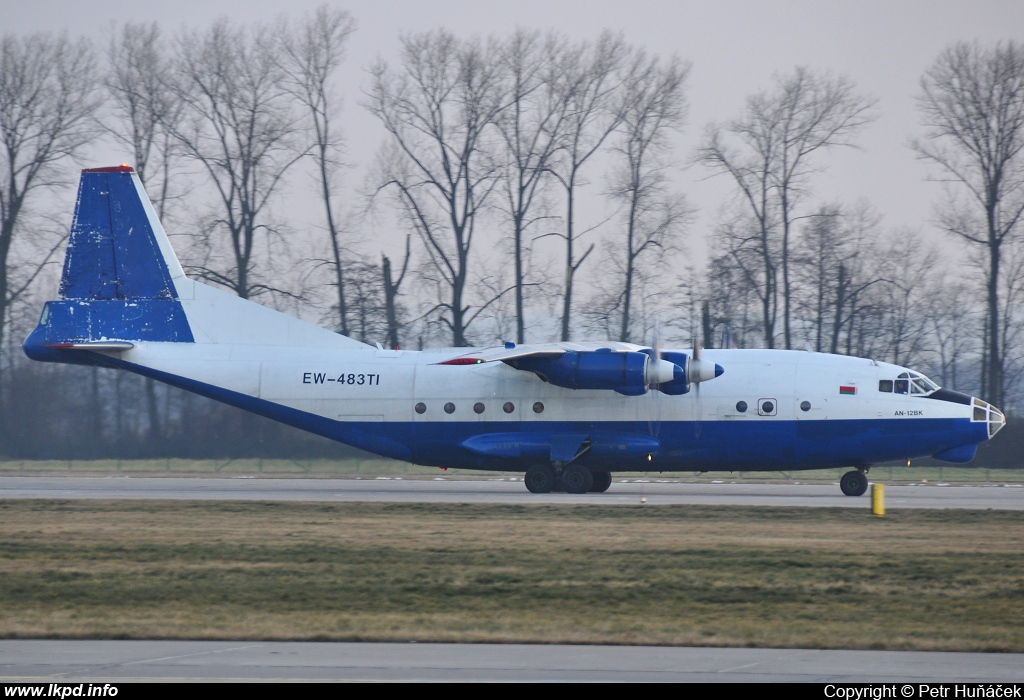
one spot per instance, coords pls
(699, 370)
(657, 374)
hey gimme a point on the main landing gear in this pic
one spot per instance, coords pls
(854, 483)
(574, 478)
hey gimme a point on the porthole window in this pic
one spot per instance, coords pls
(508, 407)
(768, 408)
(538, 407)
(741, 406)
(478, 407)
(449, 407)
(421, 407)
(805, 405)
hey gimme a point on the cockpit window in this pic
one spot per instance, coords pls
(885, 385)
(912, 383)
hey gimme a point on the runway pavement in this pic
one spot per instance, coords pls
(113, 661)
(441, 490)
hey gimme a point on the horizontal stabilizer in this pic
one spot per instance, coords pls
(112, 345)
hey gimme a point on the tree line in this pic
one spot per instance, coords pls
(489, 148)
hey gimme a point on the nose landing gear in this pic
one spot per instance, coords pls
(854, 483)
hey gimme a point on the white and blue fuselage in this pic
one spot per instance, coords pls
(126, 303)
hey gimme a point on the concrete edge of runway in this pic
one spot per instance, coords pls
(98, 661)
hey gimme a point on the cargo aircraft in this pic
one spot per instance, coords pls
(567, 415)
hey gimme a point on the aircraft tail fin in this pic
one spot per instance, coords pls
(117, 248)
(119, 273)
(122, 284)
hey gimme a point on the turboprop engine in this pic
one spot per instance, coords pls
(694, 371)
(629, 373)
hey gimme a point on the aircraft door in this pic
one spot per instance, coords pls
(809, 401)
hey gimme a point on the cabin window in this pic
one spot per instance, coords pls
(885, 385)
(805, 405)
(449, 407)
(421, 407)
(538, 407)
(478, 407)
(766, 407)
(508, 407)
(741, 406)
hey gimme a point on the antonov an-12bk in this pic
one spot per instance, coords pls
(565, 414)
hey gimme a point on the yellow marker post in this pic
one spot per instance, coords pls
(878, 499)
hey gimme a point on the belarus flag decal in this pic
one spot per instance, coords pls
(848, 390)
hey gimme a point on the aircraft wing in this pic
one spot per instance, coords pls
(511, 351)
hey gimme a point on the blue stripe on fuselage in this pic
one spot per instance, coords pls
(747, 445)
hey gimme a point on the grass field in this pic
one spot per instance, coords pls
(681, 575)
(357, 468)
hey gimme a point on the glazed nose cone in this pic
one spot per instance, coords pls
(984, 411)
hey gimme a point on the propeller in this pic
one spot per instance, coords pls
(694, 375)
(699, 370)
(654, 396)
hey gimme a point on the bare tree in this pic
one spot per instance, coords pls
(368, 304)
(749, 261)
(731, 300)
(972, 102)
(953, 328)
(531, 128)
(655, 106)
(437, 110)
(905, 321)
(594, 110)
(48, 96)
(778, 136)
(314, 51)
(391, 288)
(147, 111)
(240, 129)
(835, 262)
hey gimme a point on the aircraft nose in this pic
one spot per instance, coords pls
(984, 411)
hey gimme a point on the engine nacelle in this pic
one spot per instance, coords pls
(628, 373)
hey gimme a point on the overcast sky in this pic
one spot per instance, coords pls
(735, 48)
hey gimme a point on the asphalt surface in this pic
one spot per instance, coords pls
(440, 490)
(114, 661)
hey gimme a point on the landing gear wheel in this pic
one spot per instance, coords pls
(602, 480)
(539, 478)
(558, 487)
(854, 483)
(577, 478)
